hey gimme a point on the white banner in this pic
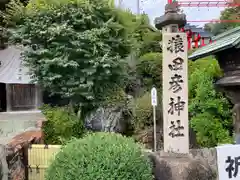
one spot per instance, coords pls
(228, 160)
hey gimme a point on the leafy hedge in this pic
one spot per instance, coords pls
(149, 69)
(100, 156)
(62, 124)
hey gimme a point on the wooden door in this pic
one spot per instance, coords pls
(23, 96)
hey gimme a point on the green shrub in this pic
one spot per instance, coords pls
(100, 156)
(143, 112)
(210, 131)
(208, 64)
(210, 110)
(62, 124)
(150, 69)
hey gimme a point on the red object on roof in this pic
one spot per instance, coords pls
(209, 4)
(217, 20)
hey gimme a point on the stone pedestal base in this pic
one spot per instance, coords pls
(237, 138)
(170, 166)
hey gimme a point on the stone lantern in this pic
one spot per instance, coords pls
(171, 21)
(226, 49)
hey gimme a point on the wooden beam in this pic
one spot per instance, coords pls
(9, 97)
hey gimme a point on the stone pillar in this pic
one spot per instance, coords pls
(175, 163)
(175, 81)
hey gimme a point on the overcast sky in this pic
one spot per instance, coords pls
(155, 8)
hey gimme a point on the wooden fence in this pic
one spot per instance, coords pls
(39, 158)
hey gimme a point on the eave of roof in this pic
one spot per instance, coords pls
(221, 42)
(206, 34)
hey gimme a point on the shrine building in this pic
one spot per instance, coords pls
(196, 36)
(17, 91)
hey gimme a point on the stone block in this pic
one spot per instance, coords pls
(208, 154)
(171, 166)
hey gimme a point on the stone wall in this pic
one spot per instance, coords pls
(17, 154)
(172, 166)
(210, 155)
(206, 156)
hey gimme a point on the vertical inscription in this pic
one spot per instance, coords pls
(175, 93)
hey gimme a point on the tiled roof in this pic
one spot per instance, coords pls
(188, 26)
(205, 34)
(197, 30)
(13, 69)
(221, 42)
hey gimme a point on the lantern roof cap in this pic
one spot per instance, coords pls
(221, 42)
(171, 16)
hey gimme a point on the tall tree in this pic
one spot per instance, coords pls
(232, 13)
(4, 4)
(78, 48)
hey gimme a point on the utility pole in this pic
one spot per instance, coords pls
(120, 3)
(138, 7)
(139, 4)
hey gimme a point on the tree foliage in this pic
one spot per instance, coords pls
(61, 125)
(231, 13)
(210, 110)
(8, 4)
(76, 49)
(149, 68)
(148, 37)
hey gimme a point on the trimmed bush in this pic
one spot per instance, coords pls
(106, 156)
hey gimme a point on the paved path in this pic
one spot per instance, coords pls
(13, 123)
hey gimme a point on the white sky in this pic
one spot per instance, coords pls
(155, 8)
